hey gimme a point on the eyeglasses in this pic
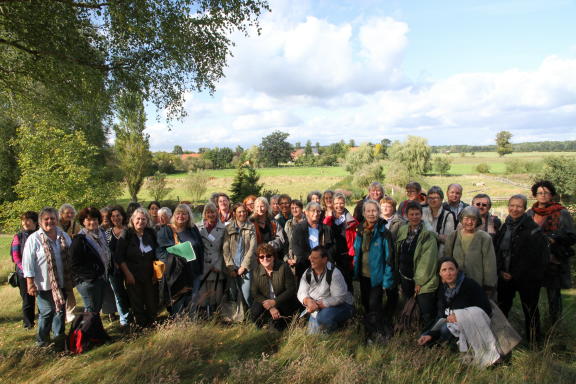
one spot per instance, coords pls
(543, 193)
(481, 204)
(262, 257)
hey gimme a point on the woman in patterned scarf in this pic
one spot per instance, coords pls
(557, 226)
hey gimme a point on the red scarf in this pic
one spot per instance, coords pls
(548, 217)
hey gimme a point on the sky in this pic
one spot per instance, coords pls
(454, 72)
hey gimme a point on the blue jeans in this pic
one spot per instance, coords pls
(92, 293)
(329, 319)
(243, 282)
(121, 297)
(48, 319)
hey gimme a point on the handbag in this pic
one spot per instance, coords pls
(159, 268)
(409, 318)
(13, 279)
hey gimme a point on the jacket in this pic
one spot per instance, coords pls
(165, 237)
(85, 262)
(275, 237)
(425, 258)
(213, 248)
(381, 255)
(301, 245)
(230, 246)
(128, 251)
(344, 236)
(282, 281)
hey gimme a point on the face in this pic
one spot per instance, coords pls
(387, 209)
(414, 217)
(266, 260)
(181, 217)
(483, 205)
(434, 200)
(454, 194)
(105, 218)
(448, 272)
(469, 224)
(329, 200)
(315, 198)
(543, 195)
(48, 222)
(116, 218)
(91, 223)
(223, 203)
(516, 208)
(371, 213)
(241, 214)
(285, 206)
(317, 261)
(275, 206)
(28, 224)
(296, 210)
(259, 208)
(163, 219)
(211, 216)
(67, 215)
(375, 194)
(250, 205)
(339, 206)
(153, 211)
(412, 194)
(313, 215)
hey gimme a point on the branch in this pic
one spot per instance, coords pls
(70, 3)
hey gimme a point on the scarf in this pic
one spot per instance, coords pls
(209, 227)
(450, 293)
(97, 240)
(57, 290)
(548, 217)
(488, 224)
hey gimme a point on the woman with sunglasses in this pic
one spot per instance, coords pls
(273, 290)
(490, 223)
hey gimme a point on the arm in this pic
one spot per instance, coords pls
(425, 263)
(449, 244)
(77, 253)
(303, 290)
(226, 254)
(489, 263)
(338, 290)
(165, 239)
(255, 287)
(250, 254)
(289, 284)
(16, 251)
(298, 245)
(279, 240)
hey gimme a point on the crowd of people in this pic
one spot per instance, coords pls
(272, 261)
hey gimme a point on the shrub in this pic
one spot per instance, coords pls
(483, 168)
(196, 185)
(367, 174)
(157, 186)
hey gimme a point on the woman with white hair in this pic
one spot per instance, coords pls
(164, 217)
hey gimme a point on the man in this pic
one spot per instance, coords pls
(309, 234)
(375, 192)
(490, 223)
(274, 206)
(324, 293)
(284, 202)
(454, 203)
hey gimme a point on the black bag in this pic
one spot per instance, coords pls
(13, 279)
(86, 332)
(409, 318)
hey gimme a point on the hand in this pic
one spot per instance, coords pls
(32, 290)
(129, 279)
(233, 273)
(267, 304)
(506, 276)
(417, 289)
(241, 271)
(424, 339)
(551, 240)
(275, 313)
(291, 262)
(311, 305)
(321, 304)
(451, 318)
(442, 238)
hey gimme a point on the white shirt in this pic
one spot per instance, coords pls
(35, 262)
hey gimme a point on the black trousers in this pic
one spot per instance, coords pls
(261, 316)
(426, 302)
(529, 295)
(377, 316)
(28, 303)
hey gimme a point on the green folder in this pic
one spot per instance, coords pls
(184, 249)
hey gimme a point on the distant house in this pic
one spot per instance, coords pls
(190, 155)
(296, 154)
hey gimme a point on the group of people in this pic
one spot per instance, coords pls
(271, 261)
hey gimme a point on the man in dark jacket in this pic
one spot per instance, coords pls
(309, 234)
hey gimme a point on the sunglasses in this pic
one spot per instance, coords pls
(481, 204)
(262, 257)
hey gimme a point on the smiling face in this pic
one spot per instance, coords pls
(67, 216)
(448, 273)
(28, 224)
(223, 204)
(259, 208)
(275, 206)
(339, 206)
(434, 200)
(543, 195)
(371, 213)
(412, 193)
(48, 222)
(317, 262)
(91, 223)
(116, 219)
(388, 209)
(483, 205)
(329, 200)
(241, 214)
(181, 218)
(469, 224)
(153, 210)
(516, 208)
(295, 210)
(375, 194)
(414, 217)
(266, 259)
(211, 216)
(250, 205)
(454, 194)
(284, 206)
(139, 221)
(313, 215)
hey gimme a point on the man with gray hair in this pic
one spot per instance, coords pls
(454, 203)
(308, 234)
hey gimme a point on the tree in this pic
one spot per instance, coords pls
(196, 185)
(561, 171)
(352, 143)
(9, 169)
(297, 145)
(177, 150)
(254, 156)
(275, 149)
(245, 183)
(157, 186)
(442, 164)
(355, 160)
(308, 149)
(368, 174)
(503, 145)
(414, 154)
(132, 146)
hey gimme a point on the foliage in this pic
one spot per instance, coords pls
(503, 145)
(308, 148)
(561, 171)
(196, 163)
(357, 159)
(483, 168)
(56, 167)
(196, 185)
(415, 154)
(245, 183)
(254, 156)
(221, 158)
(442, 164)
(9, 169)
(515, 166)
(157, 186)
(533, 146)
(397, 174)
(369, 173)
(177, 150)
(168, 163)
(275, 149)
(132, 145)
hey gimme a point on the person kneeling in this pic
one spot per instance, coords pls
(324, 293)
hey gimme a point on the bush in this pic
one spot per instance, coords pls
(442, 164)
(157, 186)
(245, 183)
(397, 174)
(367, 174)
(196, 185)
(483, 168)
(515, 166)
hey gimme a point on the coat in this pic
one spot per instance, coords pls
(128, 251)
(165, 237)
(213, 242)
(479, 262)
(425, 258)
(344, 237)
(301, 246)
(230, 245)
(276, 237)
(381, 255)
(282, 281)
(85, 262)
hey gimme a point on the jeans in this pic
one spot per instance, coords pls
(28, 302)
(48, 319)
(243, 282)
(329, 319)
(121, 297)
(92, 293)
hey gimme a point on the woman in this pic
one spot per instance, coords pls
(373, 260)
(212, 232)
(223, 204)
(249, 204)
(344, 231)
(464, 314)
(472, 248)
(441, 221)
(413, 193)
(417, 257)
(116, 278)
(388, 213)
(557, 226)
(105, 214)
(29, 222)
(182, 278)
(273, 289)
(135, 254)
(66, 220)
(164, 216)
(522, 261)
(490, 224)
(327, 202)
(153, 208)
(297, 211)
(267, 230)
(90, 260)
(314, 196)
(45, 266)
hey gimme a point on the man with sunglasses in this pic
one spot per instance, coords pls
(490, 223)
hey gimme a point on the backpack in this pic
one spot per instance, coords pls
(329, 273)
(86, 332)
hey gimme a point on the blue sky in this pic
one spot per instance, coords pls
(454, 72)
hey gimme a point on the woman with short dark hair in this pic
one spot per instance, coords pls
(153, 208)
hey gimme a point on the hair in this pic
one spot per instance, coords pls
(209, 207)
(298, 203)
(322, 201)
(483, 196)
(455, 185)
(284, 196)
(413, 205)
(266, 249)
(447, 259)
(313, 193)
(29, 215)
(121, 211)
(311, 205)
(249, 197)
(48, 211)
(104, 210)
(376, 185)
(182, 208)
(389, 200)
(214, 197)
(156, 203)
(544, 184)
(274, 197)
(437, 190)
(321, 249)
(264, 201)
(519, 197)
(414, 185)
(89, 212)
(165, 211)
(64, 207)
(472, 212)
(339, 195)
(137, 211)
(131, 208)
(235, 207)
(374, 202)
